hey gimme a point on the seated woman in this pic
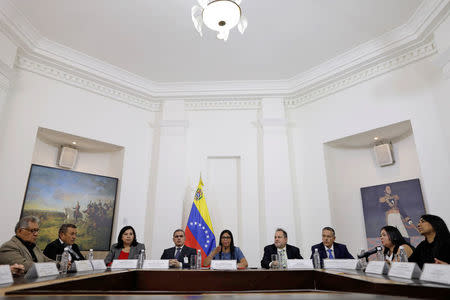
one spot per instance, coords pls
(127, 246)
(435, 248)
(227, 251)
(392, 239)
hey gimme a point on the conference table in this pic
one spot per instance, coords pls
(211, 284)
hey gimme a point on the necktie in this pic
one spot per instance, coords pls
(283, 259)
(177, 253)
(330, 254)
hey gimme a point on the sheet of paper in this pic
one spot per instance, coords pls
(5, 274)
(406, 270)
(377, 267)
(42, 270)
(340, 263)
(436, 273)
(156, 264)
(223, 265)
(82, 265)
(98, 264)
(300, 264)
(124, 264)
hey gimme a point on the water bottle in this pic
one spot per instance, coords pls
(316, 259)
(141, 259)
(91, 255)
(199, 259)
(65, 261)
(380, 255)
(362, 262)
(402, 254)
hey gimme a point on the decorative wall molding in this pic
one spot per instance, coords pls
(399, 47)
(227, 104)
(7, 76)
(94, 85)
(315, 93)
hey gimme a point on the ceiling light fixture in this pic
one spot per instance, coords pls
(219, 15)
(74, 143)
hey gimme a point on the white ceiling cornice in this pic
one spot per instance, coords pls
(76, 68)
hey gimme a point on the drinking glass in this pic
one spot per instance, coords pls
(58, 262)
(193, 262)
(275, 261)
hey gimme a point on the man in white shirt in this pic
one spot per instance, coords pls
(180, 255)
(329, 248)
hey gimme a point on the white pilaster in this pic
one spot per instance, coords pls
(277, 191)
(170, 171)
(8, 52)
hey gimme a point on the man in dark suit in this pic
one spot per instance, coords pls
(180, 255)
(282, 248)
(329, 248)
(66, 241)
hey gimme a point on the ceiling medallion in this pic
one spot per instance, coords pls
(220, 16)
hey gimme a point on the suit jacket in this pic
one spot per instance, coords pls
(15, 252)
(185, 252)
(115, 252)
(55, 247)
(291, 251)
(339, 251)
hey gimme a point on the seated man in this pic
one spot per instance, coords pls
(180, 255)
(66, 241)
(328, 248)
(21, 248)
(280, 247)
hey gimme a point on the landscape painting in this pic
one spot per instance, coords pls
(58, 196)
(399, 204)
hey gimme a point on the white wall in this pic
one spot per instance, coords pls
(349, 169)
(404, 94)
(232, 136)
(37, 101)
(99, 163)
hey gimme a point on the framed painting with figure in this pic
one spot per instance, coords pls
(58, 196)
(399, 204)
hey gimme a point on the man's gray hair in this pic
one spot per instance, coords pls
(283, 231)
(23, 223)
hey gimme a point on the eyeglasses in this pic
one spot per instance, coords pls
(33, 231)
(226, 238)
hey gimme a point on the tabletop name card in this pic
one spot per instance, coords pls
(5, 274)
(406, 270)
(300, 264)
(156, 264)
(223, 265)
(436, 273)
(98, 264)
(377, 267)
(340, 263)
(124, 264)
(82, 265)
(42, 270)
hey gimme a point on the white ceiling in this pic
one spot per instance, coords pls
(156, 39)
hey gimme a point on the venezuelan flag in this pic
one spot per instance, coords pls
(199, 230)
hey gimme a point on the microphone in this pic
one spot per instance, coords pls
(369, 252)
